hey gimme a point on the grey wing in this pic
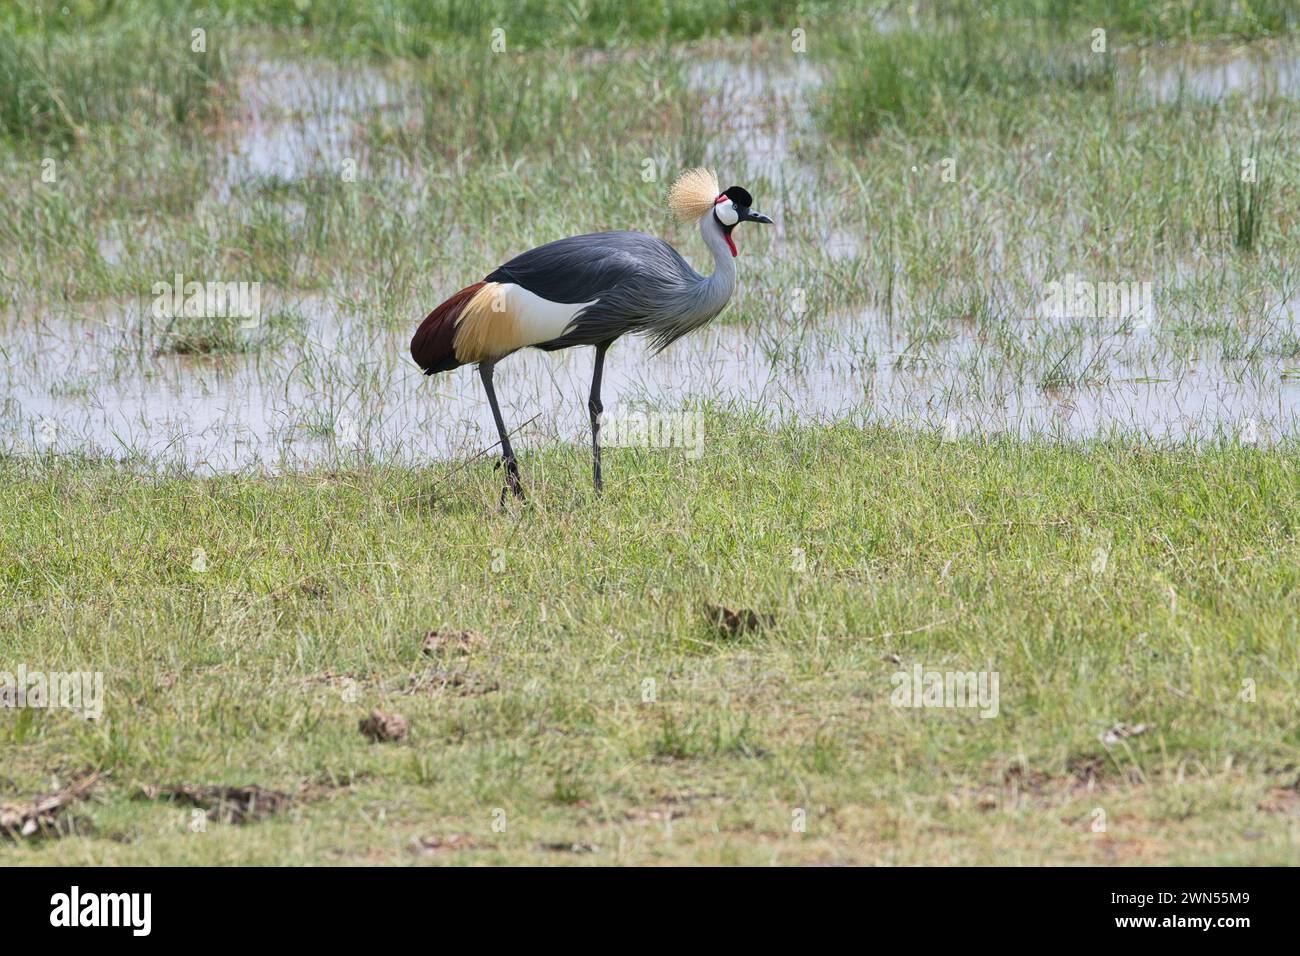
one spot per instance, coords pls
(627, 274)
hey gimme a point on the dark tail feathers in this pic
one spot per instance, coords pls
(433, 346)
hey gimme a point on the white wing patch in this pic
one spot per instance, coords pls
(503, 316)
(540, 320)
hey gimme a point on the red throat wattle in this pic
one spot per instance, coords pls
(726, 233)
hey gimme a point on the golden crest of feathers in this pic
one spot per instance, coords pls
(693, 194)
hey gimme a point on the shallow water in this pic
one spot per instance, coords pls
(1256, 71)
(762, 113)
(298, 118)
(343, 391)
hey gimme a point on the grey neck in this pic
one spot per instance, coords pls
(692, 299)
(723, 280)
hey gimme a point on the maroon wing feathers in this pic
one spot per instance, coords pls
(432, 347)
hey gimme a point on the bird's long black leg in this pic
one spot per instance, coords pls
(507, 453)
(595, 407)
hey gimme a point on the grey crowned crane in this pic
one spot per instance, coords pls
(589, 290)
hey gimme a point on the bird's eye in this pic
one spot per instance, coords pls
(726, 213)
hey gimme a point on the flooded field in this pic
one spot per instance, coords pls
(1254, 72)
(333, 385)
(340, 392)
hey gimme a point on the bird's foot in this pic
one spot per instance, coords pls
(513, 485)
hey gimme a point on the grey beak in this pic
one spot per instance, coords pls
(751, 216)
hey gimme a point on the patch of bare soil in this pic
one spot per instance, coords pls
(382, 727)
(736, 622)
(47, 815)
(458, 682)
(1025, 788)
(562, 847)
(237, 805)
(437, 843)
(1281, 800)
(653, 814)
(447, 642)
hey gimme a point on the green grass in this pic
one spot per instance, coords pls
(1151, 19)
(61, 82)
(874, 550)
(908, 76)
(424, 28)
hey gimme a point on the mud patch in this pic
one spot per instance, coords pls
(445, 643)
(381, 727)
(457, 682)
(328, 679)
(1121, 732)
(560, 846)
(47, 815)
(1024, 788)
(736, 622)
(653, 814)
(1284, 800)
(439, 843)
(237, 805)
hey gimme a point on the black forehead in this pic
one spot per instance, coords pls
(739, 196)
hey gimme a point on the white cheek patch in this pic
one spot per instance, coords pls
(727, 214)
